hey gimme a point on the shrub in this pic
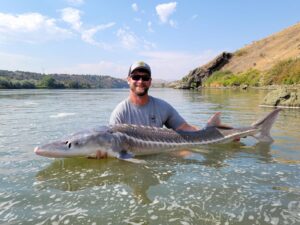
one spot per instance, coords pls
(27, 84)
(251, 77)
(284, 72)
(218, 77)
(5, 83)
(50, 82)
(227, 78)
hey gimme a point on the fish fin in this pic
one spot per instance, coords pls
(126, 156)
(214, 120)
(265, 125)
(133, 160)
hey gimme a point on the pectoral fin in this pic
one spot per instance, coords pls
(126, 156)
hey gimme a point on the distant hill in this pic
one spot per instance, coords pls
(21, 79)
(272, 60)
(264, 54)
(158, 83)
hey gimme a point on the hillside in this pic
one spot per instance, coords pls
(21, 79)
(272, 60)
(264, 54)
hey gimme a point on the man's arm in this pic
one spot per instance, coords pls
(214, 120)
(187, 127)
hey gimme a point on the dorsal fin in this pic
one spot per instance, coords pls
(214, 120)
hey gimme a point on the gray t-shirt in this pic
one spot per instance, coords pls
(155, 113)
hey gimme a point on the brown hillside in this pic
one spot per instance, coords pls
(263, 54)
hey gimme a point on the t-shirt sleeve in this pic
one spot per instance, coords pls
(116, 115)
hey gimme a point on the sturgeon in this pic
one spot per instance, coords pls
(124, 141)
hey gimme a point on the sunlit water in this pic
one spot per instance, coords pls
(239, 183)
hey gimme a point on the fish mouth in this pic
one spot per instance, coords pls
(37, 150)
(52, 154)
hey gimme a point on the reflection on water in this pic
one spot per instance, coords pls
(236, 183)
(78, 174)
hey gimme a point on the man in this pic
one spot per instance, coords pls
(141, 109)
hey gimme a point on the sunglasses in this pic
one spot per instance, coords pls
(138, 77)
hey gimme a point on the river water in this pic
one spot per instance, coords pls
(237, 183)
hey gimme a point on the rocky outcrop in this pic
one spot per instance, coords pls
(195, 78)
(282, 97)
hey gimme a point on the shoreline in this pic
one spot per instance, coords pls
(269, 87)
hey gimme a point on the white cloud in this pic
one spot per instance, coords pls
(194, 17)
(175, 65)
(88, 35)
(139, 20)
(135, 7)
(30, 27)
(72, 16)
(75, 2)
(164, 11)
(128, 39)
(149, 25)
(147, 45)
(173, 23)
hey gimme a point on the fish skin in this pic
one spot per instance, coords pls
(125, 141)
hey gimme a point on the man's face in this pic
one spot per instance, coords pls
(139, 82)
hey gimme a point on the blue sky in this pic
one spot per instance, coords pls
(106, 37)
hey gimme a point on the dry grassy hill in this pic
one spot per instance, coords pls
(264, 54)
(272, 60)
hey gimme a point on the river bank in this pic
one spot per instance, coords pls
(286, 96)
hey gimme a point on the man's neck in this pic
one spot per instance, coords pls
(138, 100)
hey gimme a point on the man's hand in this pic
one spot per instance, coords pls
(99, 155)
(187, 127)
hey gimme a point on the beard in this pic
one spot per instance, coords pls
(139, 90)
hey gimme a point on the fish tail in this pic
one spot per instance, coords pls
(265, 125)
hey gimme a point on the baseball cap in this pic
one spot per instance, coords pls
(139, 65)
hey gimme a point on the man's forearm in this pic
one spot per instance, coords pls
(187, 127)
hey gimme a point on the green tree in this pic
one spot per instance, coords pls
(50, 82)
(5, 83)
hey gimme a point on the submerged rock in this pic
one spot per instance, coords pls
(282, 97)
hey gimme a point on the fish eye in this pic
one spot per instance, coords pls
(69, 144)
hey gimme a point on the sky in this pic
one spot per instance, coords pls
(105, 37)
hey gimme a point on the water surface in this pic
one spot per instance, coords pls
(238, 183)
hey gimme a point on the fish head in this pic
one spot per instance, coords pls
(84, 143)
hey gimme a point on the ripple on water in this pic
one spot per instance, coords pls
(233, 184)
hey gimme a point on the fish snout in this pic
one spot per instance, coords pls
(37, 150)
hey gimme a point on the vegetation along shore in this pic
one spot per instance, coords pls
(28, 80)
